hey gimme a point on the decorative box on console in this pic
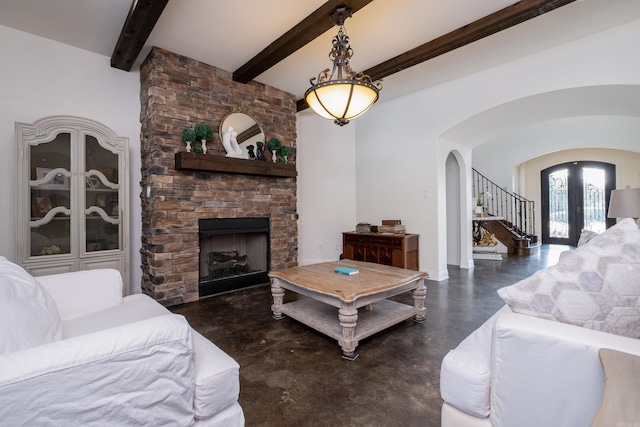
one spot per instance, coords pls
(392, 226)
(392, 229)
(363, 227)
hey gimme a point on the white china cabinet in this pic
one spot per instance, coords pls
(72, 197)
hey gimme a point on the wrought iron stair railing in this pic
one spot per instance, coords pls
(517, 211)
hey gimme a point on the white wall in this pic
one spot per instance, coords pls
(326, 187)
(40, 78)
(402, 145)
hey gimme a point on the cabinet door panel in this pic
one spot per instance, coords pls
(44, 269)
(102, 262)
(50, 197)
(371, 253)
(358, 253)
(386, 256)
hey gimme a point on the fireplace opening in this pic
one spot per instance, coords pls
(234, 254)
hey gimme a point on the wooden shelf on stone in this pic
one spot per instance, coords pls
(222, 164)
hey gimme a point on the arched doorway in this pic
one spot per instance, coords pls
(575, 196)
(454, 209)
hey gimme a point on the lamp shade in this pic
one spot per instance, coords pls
(625, 203)
(341, 100)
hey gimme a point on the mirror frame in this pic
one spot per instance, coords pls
(246, 134)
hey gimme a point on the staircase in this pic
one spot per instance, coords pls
(517, 230)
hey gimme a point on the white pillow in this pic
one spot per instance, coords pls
(586, 236)
(28, 314)
(596, 286)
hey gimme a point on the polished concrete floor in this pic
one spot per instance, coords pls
(291, 375)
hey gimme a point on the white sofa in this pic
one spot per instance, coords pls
(535, 362)
(73, 351)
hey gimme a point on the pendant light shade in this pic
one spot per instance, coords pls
(342, 95)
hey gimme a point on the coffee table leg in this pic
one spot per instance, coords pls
(278, 293)
(348, 318)
(419, 295)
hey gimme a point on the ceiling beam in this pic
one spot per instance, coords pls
(483, 27)
(304, 32)
(142, 17)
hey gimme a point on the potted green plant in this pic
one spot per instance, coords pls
(204, 134)
(188, 136)
(273, 145)
(283, 153)
(480, 202)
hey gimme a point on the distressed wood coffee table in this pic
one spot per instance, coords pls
(326, 290)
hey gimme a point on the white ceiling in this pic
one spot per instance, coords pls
(227, 34)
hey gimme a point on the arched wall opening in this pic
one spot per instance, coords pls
(502, 138)
(454, 209)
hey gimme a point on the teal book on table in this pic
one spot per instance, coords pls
(346, 270)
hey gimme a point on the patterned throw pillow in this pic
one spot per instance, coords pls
(596, 286)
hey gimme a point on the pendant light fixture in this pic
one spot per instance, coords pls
(342, 95)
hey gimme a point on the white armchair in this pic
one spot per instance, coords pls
(84, 355)
(518, 370)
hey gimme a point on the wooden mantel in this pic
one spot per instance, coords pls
(222, 164)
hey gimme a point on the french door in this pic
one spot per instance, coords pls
(575, 196)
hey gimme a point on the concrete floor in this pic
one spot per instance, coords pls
(291, 375)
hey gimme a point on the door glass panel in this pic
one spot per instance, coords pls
(103, 223)
(558, 204)
(50, 197)
(594, 199)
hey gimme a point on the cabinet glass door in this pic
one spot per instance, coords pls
(103, 222)
(50, 197)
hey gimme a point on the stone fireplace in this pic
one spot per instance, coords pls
(178, 93)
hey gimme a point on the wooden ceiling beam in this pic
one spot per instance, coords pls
(483, 27)
(142, 17)
(304, 32)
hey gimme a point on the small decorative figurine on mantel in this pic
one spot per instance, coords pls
(259, 151)
(230, 143)
(252, 155)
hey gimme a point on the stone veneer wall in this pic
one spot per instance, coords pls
(177, 93)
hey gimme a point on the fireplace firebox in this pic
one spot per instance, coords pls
(234, 254)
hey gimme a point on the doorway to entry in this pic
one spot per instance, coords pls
(575, 196)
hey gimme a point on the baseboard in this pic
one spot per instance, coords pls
(438, 276)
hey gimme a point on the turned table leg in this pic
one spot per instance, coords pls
(278, 293)
(419, 295)
(348, 316)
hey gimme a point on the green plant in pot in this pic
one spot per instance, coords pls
(203, 134)
(188, 136)
(274, 145)
(283, 153)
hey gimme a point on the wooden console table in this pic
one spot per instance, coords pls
(396, 250)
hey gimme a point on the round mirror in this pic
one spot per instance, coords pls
(245, 131)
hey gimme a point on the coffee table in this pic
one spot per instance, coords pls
(323, 290)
